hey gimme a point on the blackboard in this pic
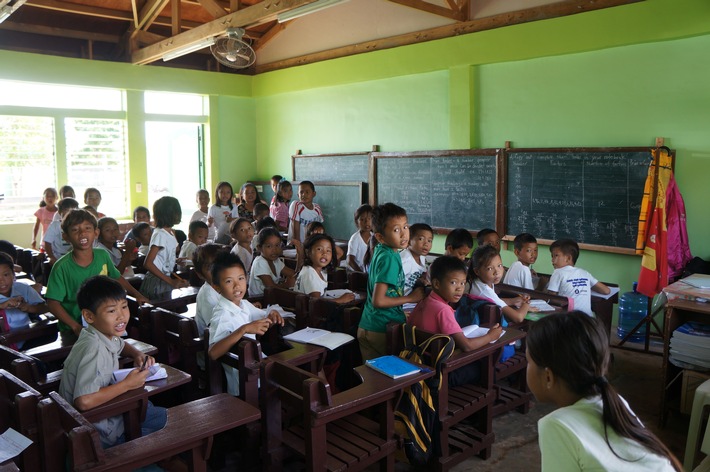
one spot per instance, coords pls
(445, 189)
(351, 167)
(338, 201)
(590, 195)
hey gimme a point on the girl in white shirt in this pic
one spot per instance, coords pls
(313, 280)
(593, 427)
(269, 269)
(242, 231)
(357, 246)
(223, 211)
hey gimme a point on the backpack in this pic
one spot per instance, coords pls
(416, 417)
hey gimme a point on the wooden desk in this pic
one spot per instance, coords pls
(678, 312)
(132, 404)
(60, 349)
(177, 299)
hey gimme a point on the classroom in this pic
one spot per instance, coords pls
(620, 76)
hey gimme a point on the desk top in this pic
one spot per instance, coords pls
(690, 305)
(682, 290)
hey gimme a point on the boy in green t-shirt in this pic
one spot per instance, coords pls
(385, 282)
(68, 273)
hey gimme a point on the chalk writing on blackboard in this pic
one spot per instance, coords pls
(331, 168)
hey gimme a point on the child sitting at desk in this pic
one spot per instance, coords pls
(521, 273)
(269, 269)
(196, 236)
(242, 231)
(207, 296)
(233, 317)
(313, 279)
(488, 237)
(570, 281)
(413, 258)
(87, 375)
(459, 243)
(358, 243)
(593, 428)
(433, 314)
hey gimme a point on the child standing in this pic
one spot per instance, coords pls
(358, 243)
(242, 232)
(486, 270)
(413, 258)
(108, 235)
(196, 236)
(521, 273)
(269, 269)
(92, 198)
(279, 204)
(45, 214)
(203, 202)
(69, 272)
(66, 191)
(223, 211)
(433, 314)
(303, 212)
(459, 243)
(249, 199)
(17, 300)
(385, 284)
(54, 244)
(313, 280)
(161, 257)
(570, 281)
(275, 180)
(593, 427)
(233, 317)
(87, 375)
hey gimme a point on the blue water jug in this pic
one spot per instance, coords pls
(633, 307)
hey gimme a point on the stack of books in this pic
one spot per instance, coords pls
(690, 346)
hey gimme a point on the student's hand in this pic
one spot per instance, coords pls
(275, 318)
(417, 295)
(210, 221)
(345, 298)
(494, 332)
(136, 378)
(142, 299)
(24, 306)
(179, 283)
(258, 327)
(524, 298)
(138, 361)
(257, 304)
(290, 281)
(13, 302)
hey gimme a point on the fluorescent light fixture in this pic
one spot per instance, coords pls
(307, 9)
(169, 56)
(7, 8)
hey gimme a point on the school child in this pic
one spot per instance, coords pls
(413, 258)
(261, 211)
(92, 198)
(87, 375)
(593, 428)
(207, 296)
(242, 232)
(313, 278)
(358, 243)
(66, 191)
(485, 270)
(140, 215)
(316, 227)
(54, 244)
(69, 272)
(278, 209)
(142, 233)
(196, 236)
(161, 257)
(275, 180)
(459, 243)
(303, 212)
(385, 284)
(233, 317)
(488, 237)
(17, 300)
(570, 281)
(223, 212)
(8, 248)
(108, 235)
(201, 214)
(269, 269)
(433, 314)
(45, 215)
(521, 273)
(249, 199)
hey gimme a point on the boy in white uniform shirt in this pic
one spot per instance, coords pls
(520, 273)
(414, 257)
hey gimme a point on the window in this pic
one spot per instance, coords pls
(96, 157)
(27, 94)
(166, 103)
(27, 163)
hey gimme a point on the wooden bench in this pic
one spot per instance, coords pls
(473, 402)
(66, 436)
(332, 434)
(289, 300)
(18, 410)
(45, 327)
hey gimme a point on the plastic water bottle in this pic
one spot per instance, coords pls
(633, 307)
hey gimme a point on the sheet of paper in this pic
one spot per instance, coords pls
(475, 331)
(282, 312)
(541, 305)
(613, 291)
(12, 444)
(306, 335)
(339, 293)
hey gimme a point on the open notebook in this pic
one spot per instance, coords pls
(156, 373)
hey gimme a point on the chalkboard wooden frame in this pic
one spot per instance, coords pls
(488, 152)
(542, 151)
(365, 154)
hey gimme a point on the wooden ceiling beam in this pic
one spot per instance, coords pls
(60, 32)
(431, 8)
(213, 8)
(134, 9)
(176, 14)
(149, 13)
(257, 14)
(234, 5)
(543, 12)
(271, 34)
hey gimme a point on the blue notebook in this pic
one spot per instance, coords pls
(393, 366)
